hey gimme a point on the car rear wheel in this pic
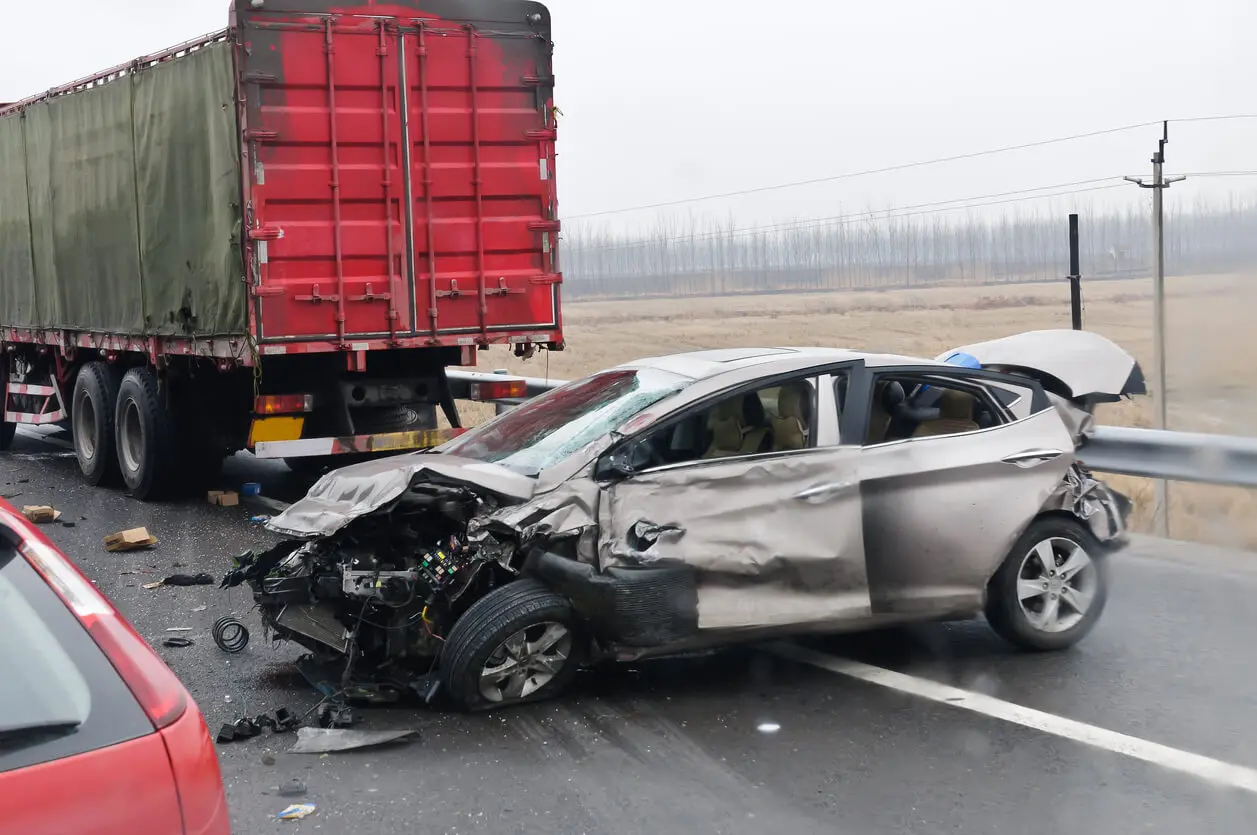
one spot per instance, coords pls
(519, 643)
(1052, 587)
(94, 403)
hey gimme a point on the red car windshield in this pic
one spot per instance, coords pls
(548, 429)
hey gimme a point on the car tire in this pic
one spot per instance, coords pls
(497, 633)
(1044, 608)
(92, 414)
(146, 435)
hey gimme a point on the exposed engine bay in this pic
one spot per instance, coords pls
(373, 601)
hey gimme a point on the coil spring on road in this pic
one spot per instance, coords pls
(230, 634)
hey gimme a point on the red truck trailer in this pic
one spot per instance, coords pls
(277, 237)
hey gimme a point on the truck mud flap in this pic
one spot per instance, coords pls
(634, 607)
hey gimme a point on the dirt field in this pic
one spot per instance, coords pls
(1212, 336)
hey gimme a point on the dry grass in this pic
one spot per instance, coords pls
(1211, 335)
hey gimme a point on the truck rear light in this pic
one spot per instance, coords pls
(499, 390)
(158, 691)
(283, 404)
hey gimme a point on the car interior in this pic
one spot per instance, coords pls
(916, 407)
(776, 419)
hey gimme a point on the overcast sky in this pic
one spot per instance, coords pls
(665, 101)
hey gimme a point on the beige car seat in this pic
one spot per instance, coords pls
(738, 427)
(955, 415)
(792, 426)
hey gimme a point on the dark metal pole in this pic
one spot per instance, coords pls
(1075, 274)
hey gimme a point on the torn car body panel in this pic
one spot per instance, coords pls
(773, 539)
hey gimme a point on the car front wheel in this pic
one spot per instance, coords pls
(1052, 587)
(519, 643)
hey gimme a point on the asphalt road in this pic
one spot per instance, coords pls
(745, 741)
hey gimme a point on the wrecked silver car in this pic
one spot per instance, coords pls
(688, 501)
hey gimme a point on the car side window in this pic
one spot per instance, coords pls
(927, 405)
(778, 418)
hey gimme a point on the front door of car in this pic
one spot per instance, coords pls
(943, 506)
(776, 538)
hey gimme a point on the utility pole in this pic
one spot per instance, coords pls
(1158, 185)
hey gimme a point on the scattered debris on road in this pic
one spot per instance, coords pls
(179, 629)
(151, 586)
(337, 716)
(293, 788)
(189, 580)
(231, 635)
(200, 608)
(177, 643)
(130, 540)
(327, 740)
(251, 488)
(223, 498)
(40, 514)
(297, 811)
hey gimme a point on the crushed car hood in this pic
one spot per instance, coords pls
(1089, 366)
(343, 495)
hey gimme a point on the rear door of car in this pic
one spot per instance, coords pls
(942, 511)
(776, 537)
(77, 752)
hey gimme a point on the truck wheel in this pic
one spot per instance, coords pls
(92, 413)
(519, 643)
(145, 430)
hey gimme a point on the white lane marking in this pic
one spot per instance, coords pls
(26, 432)
(1206, 768)
(273, 505)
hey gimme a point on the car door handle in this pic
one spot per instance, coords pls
(1032, 457)
(824, 491)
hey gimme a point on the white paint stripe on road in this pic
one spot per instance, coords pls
(27, 432)
(1206, 768)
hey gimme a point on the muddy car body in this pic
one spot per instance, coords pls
(700, 499)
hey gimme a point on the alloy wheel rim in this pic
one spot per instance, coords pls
(1057, 584)
(526, 662)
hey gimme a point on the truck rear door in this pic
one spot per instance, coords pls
(401, 178)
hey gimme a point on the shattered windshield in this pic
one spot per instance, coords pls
(544, 431)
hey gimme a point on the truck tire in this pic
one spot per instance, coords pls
(512, 624)
(380, 420)
(92, 412)
(146, 434)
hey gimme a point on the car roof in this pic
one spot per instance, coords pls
(700, 365)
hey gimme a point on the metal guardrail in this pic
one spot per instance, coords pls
(1146, 453)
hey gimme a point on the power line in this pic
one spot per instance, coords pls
(887, 169)
(937, 207)
(909, 165)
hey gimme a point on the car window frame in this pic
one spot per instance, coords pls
(860, 399)
(115, 718)
(814, 374)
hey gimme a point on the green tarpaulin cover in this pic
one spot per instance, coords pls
(120, 205)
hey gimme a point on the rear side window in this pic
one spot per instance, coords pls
(59, 695)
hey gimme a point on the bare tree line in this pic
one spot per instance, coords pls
(692, 257)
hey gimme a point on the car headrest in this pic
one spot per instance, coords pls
(753, 410)
(792, 402)
(893, 396)
(955, 405)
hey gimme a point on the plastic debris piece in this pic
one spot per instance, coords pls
(337, 716)
(130, 540)
(177, 643)
(285, 720)
(324, 740)
(226, 734)
(259, 520)
(179, 629)
(200, 608)
(297, 811)
(293, 788)
(41, 513)
(151, 586)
